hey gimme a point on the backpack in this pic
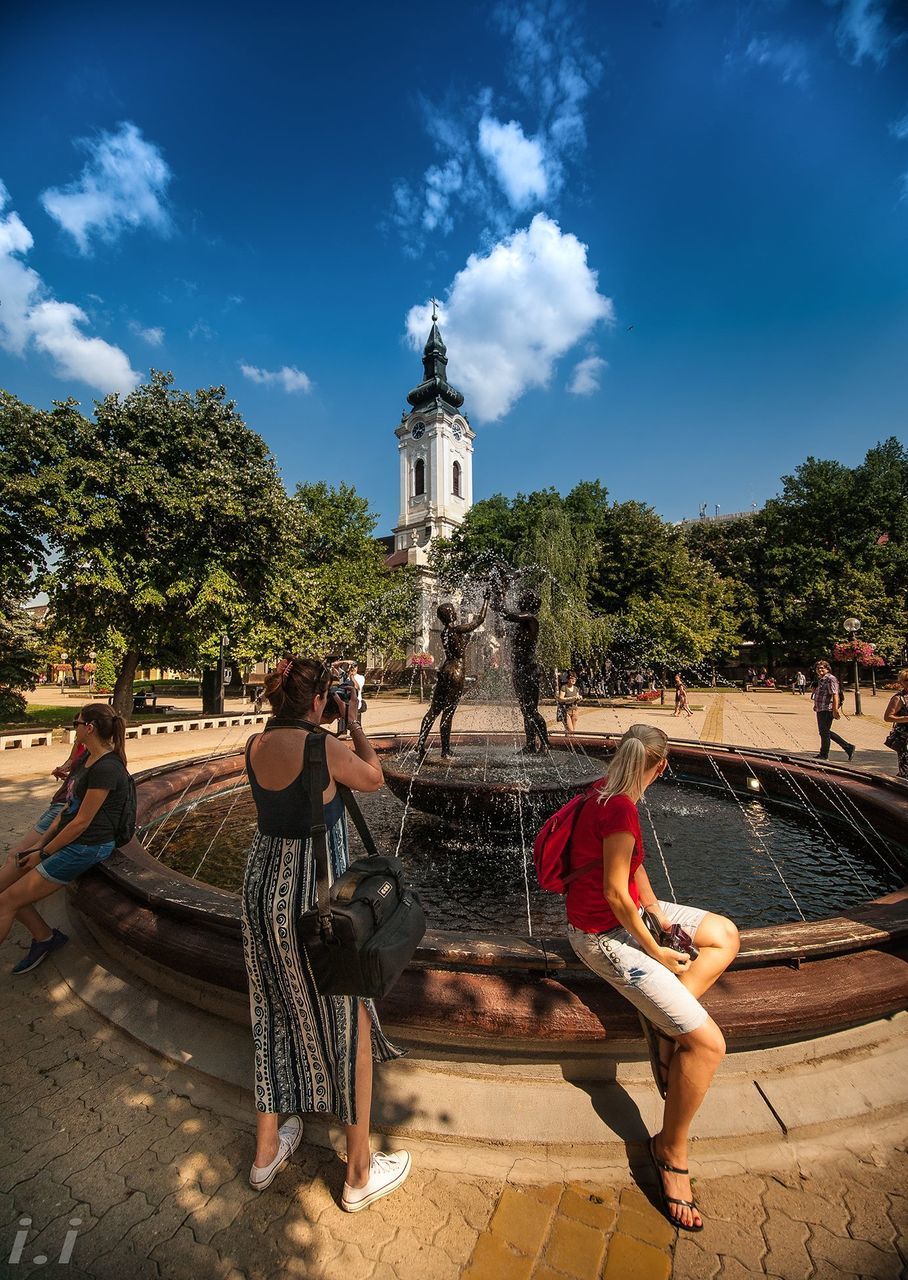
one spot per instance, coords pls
(126, 827)
(552, 846)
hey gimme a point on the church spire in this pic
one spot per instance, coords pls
(435, 388)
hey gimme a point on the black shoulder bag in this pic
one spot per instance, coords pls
(368, 924)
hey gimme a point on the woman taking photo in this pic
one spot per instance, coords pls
(312, 1052)
(604, 904)
(84, 834)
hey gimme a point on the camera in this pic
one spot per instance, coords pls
(343, 691)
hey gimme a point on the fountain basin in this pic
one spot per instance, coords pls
(790, 981)
(489, 783)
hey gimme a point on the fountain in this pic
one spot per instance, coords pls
(809, 856)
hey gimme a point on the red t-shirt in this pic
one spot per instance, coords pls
(586, 906)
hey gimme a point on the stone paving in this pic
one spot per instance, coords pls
(101, 1141)
(125, 1167)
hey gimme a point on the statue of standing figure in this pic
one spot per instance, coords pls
(525, 669)
(449, 685)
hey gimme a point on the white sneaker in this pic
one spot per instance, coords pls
(386, 1174)
(288, 1139)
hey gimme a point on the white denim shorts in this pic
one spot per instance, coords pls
(658, 994)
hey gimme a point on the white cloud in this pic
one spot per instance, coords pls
(862, 30)
(289, 377)
(20, 285)
(511, 314)
(519, 163)
(123, 186)
(550, 66)
(585, 377)
(493, 169)
(55, 328)
(31, 317)
(788, 58)
(899, 128)
(153, 336)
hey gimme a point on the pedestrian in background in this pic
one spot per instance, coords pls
(827, 704)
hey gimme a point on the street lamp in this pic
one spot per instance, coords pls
(853, 626)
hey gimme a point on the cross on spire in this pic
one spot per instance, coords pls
(434, 310)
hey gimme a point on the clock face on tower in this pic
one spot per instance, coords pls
(419, 430)
(457, 431)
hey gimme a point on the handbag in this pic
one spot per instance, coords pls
(897, 738)
(676, 938)
(367, 925)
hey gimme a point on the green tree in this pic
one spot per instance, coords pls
(607, 572)
(334, 593)
(834, 542)
(173, 513)
(31, 488)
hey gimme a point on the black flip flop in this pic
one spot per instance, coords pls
(667, 1200)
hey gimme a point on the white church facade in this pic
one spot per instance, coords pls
(435, 451)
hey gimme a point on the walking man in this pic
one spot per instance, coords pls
(827, 701)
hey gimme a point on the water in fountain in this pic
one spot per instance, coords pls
(464, 826)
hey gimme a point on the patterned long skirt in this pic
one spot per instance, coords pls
(305, 1043)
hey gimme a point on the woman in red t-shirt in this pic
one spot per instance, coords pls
(606, 931)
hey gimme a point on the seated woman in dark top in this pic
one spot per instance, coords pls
(84, 834)
(312, 1052)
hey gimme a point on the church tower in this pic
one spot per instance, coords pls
(435, 444)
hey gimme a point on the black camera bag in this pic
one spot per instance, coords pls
(368, 924)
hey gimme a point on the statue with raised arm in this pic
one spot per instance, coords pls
(449, 685)
(525, 669)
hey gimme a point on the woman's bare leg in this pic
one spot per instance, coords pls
(718, 941)
(266, 1139)
(359, 1151)
(26, 890)
(692, 1068)
(28, 917)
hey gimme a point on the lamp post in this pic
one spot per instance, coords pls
(853, 626)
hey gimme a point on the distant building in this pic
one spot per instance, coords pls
(435, 452)
(718, 517)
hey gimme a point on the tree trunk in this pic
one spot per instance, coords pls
(122, 692)
(212, 692)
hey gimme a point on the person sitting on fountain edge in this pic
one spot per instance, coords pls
(605, 927)
(449, 685)
(525, 669)
(83, 834)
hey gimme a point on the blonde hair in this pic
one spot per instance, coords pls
(902, 676)
(642, 747)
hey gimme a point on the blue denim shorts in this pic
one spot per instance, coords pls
(47, 817)
(72, 860)
(654, 990)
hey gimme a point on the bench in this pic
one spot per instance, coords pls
(151, 728)
(40, 738)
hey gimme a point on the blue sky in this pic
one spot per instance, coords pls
(670, 240)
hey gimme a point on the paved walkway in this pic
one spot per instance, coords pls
(126, 1166)
(147, 1166)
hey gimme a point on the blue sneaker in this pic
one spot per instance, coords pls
(39, 951)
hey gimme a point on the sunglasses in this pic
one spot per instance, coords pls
(77, 722)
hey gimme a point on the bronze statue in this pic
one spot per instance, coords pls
(449, 685)
(525, 669)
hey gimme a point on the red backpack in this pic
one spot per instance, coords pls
(552, 846)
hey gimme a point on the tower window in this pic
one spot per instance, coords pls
(457, 481)
(419, 478)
